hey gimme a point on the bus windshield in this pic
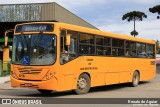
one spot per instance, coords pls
(34, 49)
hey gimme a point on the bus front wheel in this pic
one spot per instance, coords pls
(44, 91)
(135, 79)
(83, 84)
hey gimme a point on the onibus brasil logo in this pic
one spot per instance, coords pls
(21, 101)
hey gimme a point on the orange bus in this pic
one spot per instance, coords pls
(57, 56)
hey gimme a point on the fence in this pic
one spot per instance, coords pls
(4, 68)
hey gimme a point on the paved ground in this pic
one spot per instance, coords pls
(4, 79)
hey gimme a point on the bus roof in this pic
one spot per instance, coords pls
(104, 33)
(96, 32)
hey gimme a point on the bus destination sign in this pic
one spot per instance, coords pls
(35, 28)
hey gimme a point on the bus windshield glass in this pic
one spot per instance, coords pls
(34, 49)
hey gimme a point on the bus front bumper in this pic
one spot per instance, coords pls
(47, 85)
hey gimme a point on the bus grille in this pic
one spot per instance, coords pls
(29, 71)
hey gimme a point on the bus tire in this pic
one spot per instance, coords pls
(83, 84)
(44, 91)
(135, 79)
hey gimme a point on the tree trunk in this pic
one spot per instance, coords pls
(134, 26)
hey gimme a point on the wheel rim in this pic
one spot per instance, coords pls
(82, 83)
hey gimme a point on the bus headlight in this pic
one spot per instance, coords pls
(49, 76)
(13, 74)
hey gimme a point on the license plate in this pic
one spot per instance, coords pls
(28, 84)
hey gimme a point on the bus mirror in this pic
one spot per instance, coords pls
(6, 36)
(68, 37)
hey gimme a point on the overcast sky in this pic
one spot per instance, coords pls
(107, 14)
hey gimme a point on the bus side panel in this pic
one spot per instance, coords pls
(112, 78)
(97, 79)
(104, 70)
(125, 77)
(68, 82)
(152, 69)
(122, 67)
(73, 69)
(146, 69)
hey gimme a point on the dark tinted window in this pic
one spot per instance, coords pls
(107, 51)
(107, 41)
(86, 49)
(117, 47)
(132, 45)
(99, 40)
(117, 43)
(103, 45)
(141, 50)
(86, 44)
(150, 50)
(86, 38)
(130, 49)
(127, 44)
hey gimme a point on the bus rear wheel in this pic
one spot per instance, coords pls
(83, 84)
(135, 79)
(44, 91)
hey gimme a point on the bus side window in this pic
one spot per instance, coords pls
(132, 53)
(63, 55)
(72, 48)
(114, 51)
(68, 52)
(150, 51)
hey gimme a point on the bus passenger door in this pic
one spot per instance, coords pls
(68, 53)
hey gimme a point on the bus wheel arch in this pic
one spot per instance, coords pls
(83, 83)
(87, 74)
(135, 78)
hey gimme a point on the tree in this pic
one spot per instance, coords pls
(133, 16)
(134, 32)
(155, 9)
